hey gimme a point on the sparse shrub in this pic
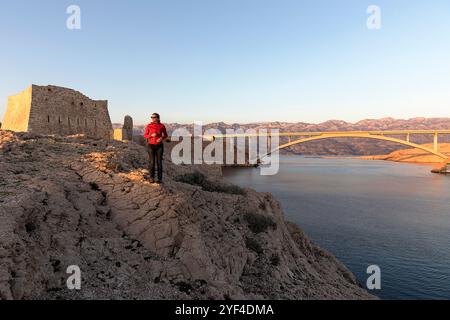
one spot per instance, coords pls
(199, 179)
(275, 259)
(184, 287)
(253, 244)
(196, 178)
(258, 223)
(94, 186)
(56, 264)
(30, 227)
(231, 189)
(189, 287)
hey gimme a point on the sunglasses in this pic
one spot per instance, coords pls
(154, 117)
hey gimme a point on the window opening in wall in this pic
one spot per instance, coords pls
(48, 119)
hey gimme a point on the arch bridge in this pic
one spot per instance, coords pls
(398, 136)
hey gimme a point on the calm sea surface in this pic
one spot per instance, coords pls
(394, 215)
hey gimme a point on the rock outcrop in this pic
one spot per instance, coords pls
(77, 201)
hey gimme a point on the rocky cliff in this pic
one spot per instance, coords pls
(76, 201)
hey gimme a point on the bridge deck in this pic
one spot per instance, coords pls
(309, 134)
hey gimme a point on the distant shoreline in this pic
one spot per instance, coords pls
(416, 156)
(371, 158)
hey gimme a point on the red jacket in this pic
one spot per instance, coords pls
(157, 128)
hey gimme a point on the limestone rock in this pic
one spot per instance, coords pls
(87, 202)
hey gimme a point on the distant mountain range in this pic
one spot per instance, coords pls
(341, 146)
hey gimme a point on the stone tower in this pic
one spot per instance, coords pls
(57, 110)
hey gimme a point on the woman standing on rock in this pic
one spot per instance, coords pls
(155, 134)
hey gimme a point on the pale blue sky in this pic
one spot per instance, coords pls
(234, 60)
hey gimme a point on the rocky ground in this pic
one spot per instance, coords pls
(75, 201)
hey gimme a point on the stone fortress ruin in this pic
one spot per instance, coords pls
(55, 110)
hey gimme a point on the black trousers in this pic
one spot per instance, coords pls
(155, 154)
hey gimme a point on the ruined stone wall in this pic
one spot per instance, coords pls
(56, 110)
(18, 111)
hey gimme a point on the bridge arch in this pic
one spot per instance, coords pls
(359, 135)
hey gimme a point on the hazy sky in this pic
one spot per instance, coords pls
(234, 60)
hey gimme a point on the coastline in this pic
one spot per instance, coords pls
(415, 156)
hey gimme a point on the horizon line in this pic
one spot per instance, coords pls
(298, 122)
